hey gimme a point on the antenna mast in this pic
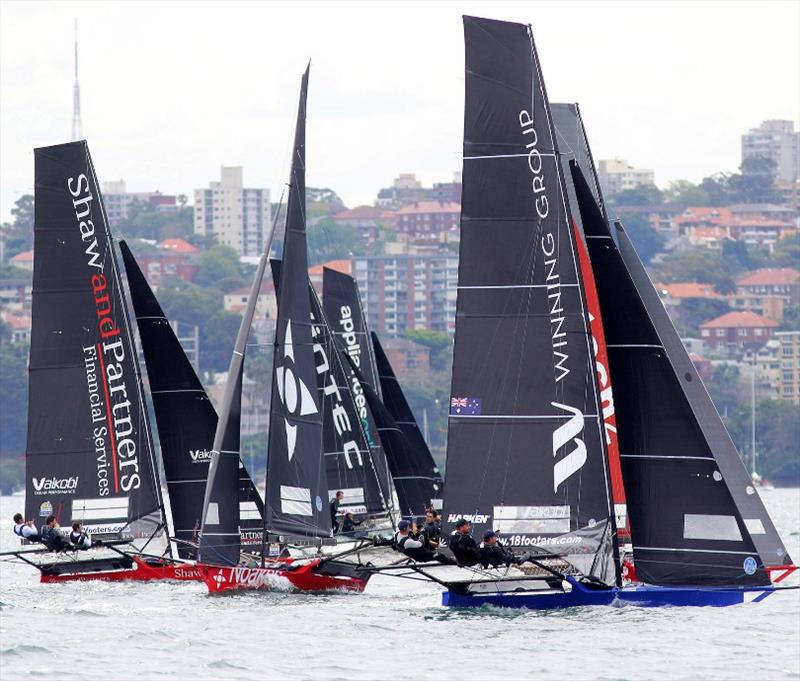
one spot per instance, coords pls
(77, 127)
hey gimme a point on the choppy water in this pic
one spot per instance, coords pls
(396, 630)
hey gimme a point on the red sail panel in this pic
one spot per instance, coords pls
(604, 383)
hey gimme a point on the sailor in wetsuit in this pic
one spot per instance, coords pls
(52, 537)
(463, 545)
(25, 530)
(432, 530)
(79, 538)
(349, 525)
(494, 554)
(335, 502)
(408, 542)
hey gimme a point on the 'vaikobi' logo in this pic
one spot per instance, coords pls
(55, 485)
(200, 455)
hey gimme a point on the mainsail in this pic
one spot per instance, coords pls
(415, 474)
(695, 516)
(296, 478)
(349, 465)
(526, 450)
(89, 455)
(345, 316)
(186, 420)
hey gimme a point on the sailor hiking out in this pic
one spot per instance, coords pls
(463, 545)
(494, 554)
(25, 529)
(79, 538)
(52, 537)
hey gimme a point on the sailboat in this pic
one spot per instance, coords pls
(89, 454)
(529, 455)
(186, 422)
(296, 504)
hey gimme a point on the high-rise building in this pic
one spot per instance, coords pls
(790, 365)
(778, 142)
(616, 176)
(406, 292)
(117, 201)
(236, 216)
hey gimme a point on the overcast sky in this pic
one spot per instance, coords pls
(170, 91)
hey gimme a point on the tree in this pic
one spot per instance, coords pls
(787, 252)
(13, 398)
(716, 189)
(217, 337)
(146, 221)
(219, 266)
(18, 235)
(694, 311)
(736, 253)
(700, 265)
(684, 193)
(647, 241)
(645, 195)
(329, 240)
(440, 345)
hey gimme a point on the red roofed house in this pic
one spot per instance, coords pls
(315, 272)
(266, 305)
(767, 291)
(171, 258)
(735, 331)
(709, 226)
(177, 246)
(673, 294)
(23, 260)
(430, 221)
(365, 220)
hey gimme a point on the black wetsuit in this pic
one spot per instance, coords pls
(349, 525)
(433, 533)
(413, 547)
(496, 555)
(464, 549)
(334, 513)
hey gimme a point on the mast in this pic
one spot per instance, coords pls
(753, 473)
(296, 499)
(185, 416)
(89, 455)
(694, 515)
(526, 447)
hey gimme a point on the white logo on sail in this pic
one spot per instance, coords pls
(573, 461)
(294, 394)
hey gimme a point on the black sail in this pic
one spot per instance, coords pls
(89, 454)
(695, 517)
(345, 317)
(296, 479)
(185, 417)
(525, 452)
(415, 474)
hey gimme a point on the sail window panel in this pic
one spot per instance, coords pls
(212, 514)
(711, 527)
(296, 500)
(352, 495)
(754, 526)
(532, 519)
(248, 510)
(100, 509)
(519, 262)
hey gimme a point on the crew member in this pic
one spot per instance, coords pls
(25, 530)
(349, 524)
(337, 500)
(433, 529)
(408, 542)
(494, 554)
(463, 545)
(52, 537)
(79, 538)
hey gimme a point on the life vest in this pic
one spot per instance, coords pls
(78, 539)
(18, 530)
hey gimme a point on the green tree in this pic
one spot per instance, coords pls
(329, 240)
(440, 345)
(19, 234)
(146, 221)
(217, 337)
(694, 311)
(701, 265)
(645, 195)
(13, 399)
(684, 193)
(787, 252)
(736, 253)
(647, 241)
(219, 266)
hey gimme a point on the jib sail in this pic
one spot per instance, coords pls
(694, 514)
(416, 476)
(186, 420)
(574, 146)
(297, 490)
(89, 455)
(526, 451)
(345, 315)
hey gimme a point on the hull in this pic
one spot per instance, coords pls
(125, 568)
(284, 576)
(641, 595)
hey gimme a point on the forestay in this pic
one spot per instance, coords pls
(694, 514)
(89, 455)
(526, 453)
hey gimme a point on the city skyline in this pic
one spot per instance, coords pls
(164, 113)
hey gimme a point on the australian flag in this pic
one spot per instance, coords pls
(465, 406)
